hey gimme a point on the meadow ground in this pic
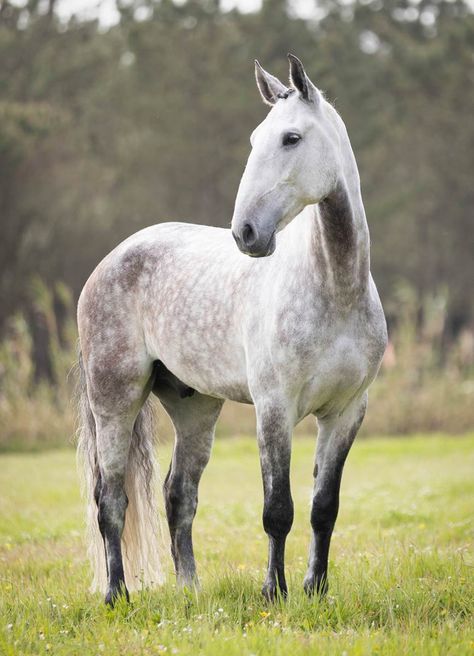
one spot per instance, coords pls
(401, 577)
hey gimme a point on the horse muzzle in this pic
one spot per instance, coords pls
(254, 242)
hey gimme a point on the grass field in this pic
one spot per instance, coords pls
(401, 572)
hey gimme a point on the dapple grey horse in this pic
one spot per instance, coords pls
(295, 329)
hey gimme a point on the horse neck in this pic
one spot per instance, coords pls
(339, 244)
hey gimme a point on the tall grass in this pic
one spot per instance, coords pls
(39, 414)
(400, 566)
(425, 384)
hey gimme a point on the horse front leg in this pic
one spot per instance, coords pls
(274, 441)
(335, 439)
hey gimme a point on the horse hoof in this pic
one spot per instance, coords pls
(271, 592)
(188, 583)
(308, 586)
(113, 594)
(311, 586)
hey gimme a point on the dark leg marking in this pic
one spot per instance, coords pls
(181, 500)
(97, 492)
(277, 522)
(274, 440)
(194, 419)
(324, 512)
(112, 504)
(334, 442)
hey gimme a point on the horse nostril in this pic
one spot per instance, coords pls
(236, 239)
(249, 235)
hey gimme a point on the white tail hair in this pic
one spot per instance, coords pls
(141, 539)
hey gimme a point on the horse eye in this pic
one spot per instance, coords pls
(290, 138)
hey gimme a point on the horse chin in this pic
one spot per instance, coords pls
(265, 252)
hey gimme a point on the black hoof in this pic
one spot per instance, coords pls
(114, 594)
(271, 592)
(316, 586)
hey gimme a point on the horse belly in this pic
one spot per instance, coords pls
(207, 368)
(199, 343)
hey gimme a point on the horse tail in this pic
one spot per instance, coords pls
(141, 539)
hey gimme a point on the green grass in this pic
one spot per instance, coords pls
(401, 573)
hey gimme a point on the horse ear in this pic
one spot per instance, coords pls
(300, 81)
(268, 85)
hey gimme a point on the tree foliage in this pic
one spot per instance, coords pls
(103, 133)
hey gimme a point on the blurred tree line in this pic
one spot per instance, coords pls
(105, 132)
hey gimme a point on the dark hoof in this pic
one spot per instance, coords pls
(113, 595)
(271, 592)
(314, 586)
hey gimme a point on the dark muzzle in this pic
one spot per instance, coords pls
(253, 242)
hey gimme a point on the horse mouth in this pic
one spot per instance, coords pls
(258, 250)
(267, 253)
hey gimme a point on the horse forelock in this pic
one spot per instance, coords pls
(285, 94)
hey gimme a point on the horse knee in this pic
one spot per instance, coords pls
(324, 511)
(278, 516)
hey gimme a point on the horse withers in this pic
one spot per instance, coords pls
(288, 320)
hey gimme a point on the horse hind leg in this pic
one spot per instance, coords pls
(113, 443)
(119, 448)
(194, 420)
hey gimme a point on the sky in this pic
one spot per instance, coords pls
(106, 10)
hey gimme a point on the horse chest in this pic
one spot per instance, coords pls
(324, 361)
(338, 371)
